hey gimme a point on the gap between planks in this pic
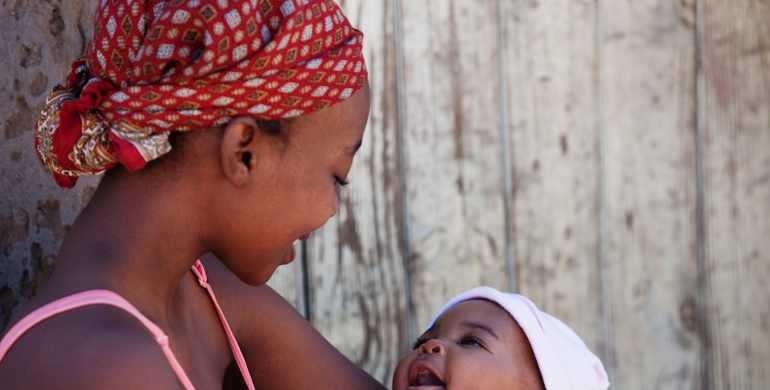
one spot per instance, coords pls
(609, 350)
(700, 210)
(510, 252)
(397, 32)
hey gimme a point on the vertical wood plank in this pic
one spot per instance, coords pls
(651, 191)
(551, 80)
(289, 281)
(356, 261)
(736, 165)
(452, 151)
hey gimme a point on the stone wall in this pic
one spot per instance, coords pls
(38, 41)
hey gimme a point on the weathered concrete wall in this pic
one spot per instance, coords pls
(39, 41)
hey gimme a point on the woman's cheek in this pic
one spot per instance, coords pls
(321, 205)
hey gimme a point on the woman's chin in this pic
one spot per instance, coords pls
(285, 258)
(289, 255)
(261, 271)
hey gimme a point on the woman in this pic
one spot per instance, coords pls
(275, 98)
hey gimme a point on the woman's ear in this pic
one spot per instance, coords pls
(239, 150)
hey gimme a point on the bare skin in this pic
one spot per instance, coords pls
(474, 345)
(239, 193)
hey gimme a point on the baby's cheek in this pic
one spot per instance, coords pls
(401, 375)
(487, 372)
(510, 377)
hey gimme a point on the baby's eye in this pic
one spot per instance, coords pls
(471, 341)
(418, 343)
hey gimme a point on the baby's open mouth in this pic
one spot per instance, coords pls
(426, 377)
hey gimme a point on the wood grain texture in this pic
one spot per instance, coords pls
(289, 281)
(452, 151)
(551, 81)
(736, 161)
(356, 261)
(651, 191)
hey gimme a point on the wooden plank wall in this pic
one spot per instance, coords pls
(608, 159)
(736, 191)
(452, 151)
(648, 127)
(551, 83)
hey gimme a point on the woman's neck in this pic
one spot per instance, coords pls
(138, 242)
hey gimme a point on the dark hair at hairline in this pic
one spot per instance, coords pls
(278, 128)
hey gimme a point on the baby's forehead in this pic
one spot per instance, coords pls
(475, 311)
(479, 306)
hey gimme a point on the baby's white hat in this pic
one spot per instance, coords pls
(564, 360)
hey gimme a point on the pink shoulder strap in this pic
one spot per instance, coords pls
(92, 297)
(203, 281)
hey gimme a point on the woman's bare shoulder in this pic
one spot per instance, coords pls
(96, 346)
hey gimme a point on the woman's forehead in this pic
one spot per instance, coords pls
(340, 126)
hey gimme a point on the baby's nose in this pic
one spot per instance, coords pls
(433, 346)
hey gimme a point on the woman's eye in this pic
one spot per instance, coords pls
(342, 183)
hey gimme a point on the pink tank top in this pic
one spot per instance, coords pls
(104, 297)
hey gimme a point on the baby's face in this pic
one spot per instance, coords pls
(474, 345)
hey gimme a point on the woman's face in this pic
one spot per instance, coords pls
(474, 345)
(293, 189)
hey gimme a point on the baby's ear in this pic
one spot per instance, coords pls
(239, 150)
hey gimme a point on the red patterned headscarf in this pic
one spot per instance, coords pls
(155, 66)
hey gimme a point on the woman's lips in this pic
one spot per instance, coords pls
(303, 238)
(292, 255)
(294, 249)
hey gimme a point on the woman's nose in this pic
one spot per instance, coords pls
(433, 346)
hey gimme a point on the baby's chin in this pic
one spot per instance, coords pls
(407, 386)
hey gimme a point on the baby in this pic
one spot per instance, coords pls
(487, 339)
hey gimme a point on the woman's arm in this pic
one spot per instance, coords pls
(282, 349)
